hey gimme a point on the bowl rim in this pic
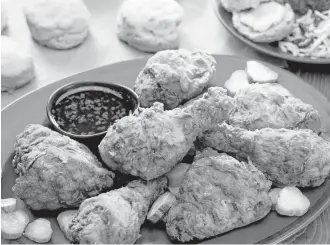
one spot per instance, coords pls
(78, 84)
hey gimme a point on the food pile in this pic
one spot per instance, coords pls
(298, 27)
(252, 145)
(310, 36)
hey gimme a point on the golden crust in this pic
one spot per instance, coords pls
(218, 194)
(151, 143)
(271, 105)
(56, 171)
(174, 76)
(115, 217)
(289, 157)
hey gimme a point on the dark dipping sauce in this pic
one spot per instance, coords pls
(89, 112)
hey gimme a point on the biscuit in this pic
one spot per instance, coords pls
(239, 5)
(260, 28)
(150, 25)
(16, 65)
(174, 76)
(58, 24)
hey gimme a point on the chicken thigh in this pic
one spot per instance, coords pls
(218, 194)
(56, 171)
(271, 105)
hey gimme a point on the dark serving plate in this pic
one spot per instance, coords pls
(272, 50)
(272, 229)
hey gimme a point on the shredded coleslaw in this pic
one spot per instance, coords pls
(310, 37)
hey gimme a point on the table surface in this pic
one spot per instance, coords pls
(200, 30)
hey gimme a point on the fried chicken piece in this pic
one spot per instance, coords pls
(271, 105)
(173, 77)
(289, 157)
(115, 217)
(56, 171)
(218, 194)
(151, 143)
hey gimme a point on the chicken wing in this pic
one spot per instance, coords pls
(115, 217)
(271, 105)
(218, 194)
(151, 143)
(56, 171)
(173, 77)
(289, 157)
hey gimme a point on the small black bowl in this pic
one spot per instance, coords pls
(130, 98)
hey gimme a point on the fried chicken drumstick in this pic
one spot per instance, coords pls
(289, 157)
(115, 217)
(152, 143)
(218, 194)
(56, 171)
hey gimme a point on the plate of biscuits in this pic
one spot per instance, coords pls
(297, 31)
(179, 147)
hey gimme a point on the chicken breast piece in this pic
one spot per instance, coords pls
(115, 217)
(151, 143)
(289, 157)
(218, 194)
(56, 171)
(174, 76)
(271, 105)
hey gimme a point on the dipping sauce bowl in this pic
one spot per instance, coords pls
(84, 110)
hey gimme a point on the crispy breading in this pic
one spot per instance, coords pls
(289, 157)
(56, 171)
(271, 105)
(174, 76)
(115, 217)
(218, 194)
(151, 143)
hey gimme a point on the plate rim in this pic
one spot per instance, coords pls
(300, 223)
(278, 237)
(256, 46)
